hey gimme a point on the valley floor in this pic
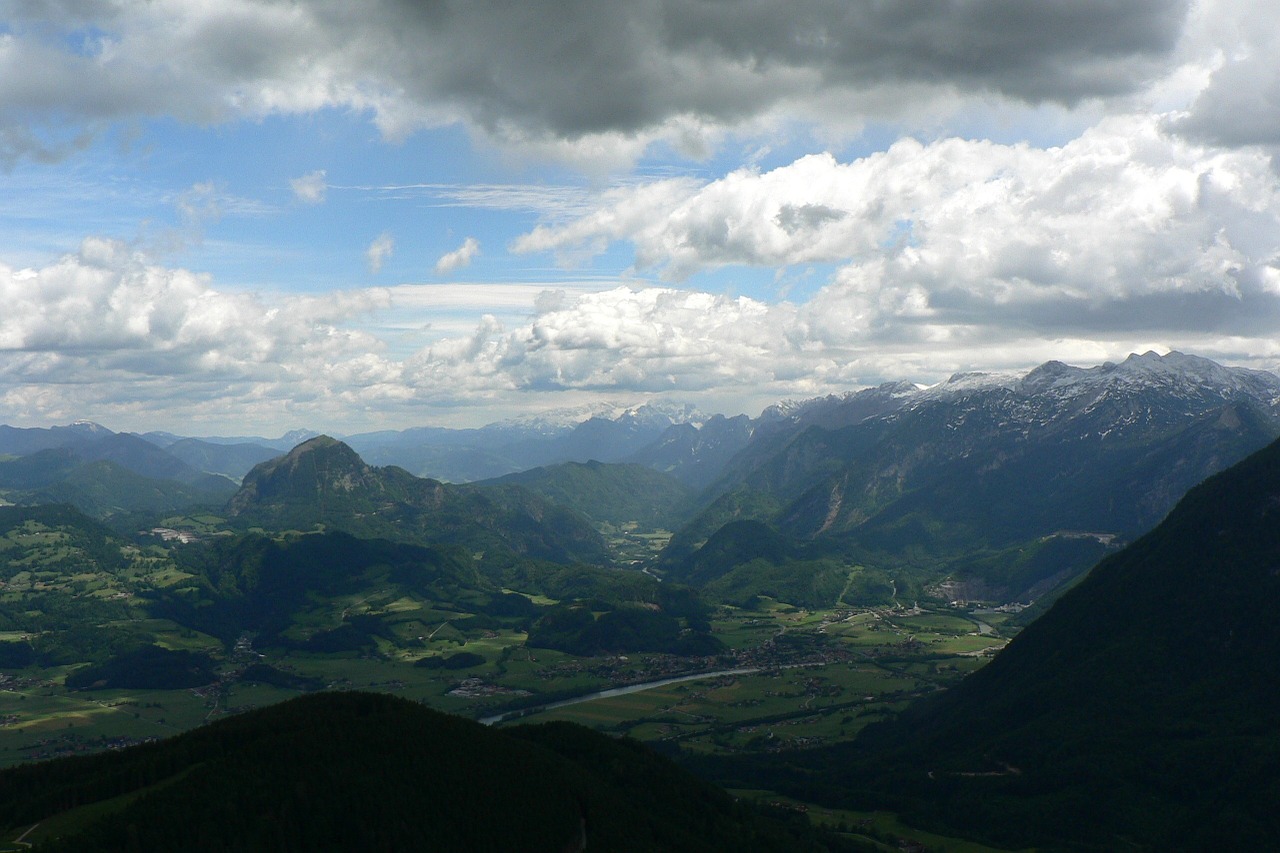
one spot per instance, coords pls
(812, 677)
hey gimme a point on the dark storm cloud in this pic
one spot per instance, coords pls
(578, 67)
(1057, 50)
(563, 68)
(1253, 312)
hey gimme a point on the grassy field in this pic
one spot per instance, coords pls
(862, 665)
(824, 675)
(816, 676)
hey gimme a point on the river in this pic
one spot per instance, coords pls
(614, 691)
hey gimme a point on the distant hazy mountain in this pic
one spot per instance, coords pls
(324, 482)
(38, 469)
(142, 457)
(230, 460)
(696, 455)
(613, 493)
(90, 442)
(606, 433)
(1137, 713)
(779, 424)
(359, 771)
(102, 488)
(19, 441)
(982, 463)
(289, 440)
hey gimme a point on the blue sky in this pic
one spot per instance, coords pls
(248, 216)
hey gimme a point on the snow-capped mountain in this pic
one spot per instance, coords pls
(983, 461)
(1052, 386)
(555, 421)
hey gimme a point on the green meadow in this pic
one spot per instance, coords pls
(822, 676)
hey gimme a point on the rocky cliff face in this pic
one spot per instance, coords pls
(318, 467)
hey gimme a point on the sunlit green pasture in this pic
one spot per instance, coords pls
(825, 673)
(44, 721)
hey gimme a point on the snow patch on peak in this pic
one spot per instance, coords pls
(1050, 375)
(1190, 372)
(552, 421)
(959, 383)
(558, 420)
(87, 426)
(791, 408)
(665, 412)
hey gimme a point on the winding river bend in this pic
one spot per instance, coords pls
(614, 691)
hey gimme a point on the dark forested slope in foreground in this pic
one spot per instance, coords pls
(1138, 713)
(359, 771)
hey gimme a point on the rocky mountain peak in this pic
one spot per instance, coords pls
(320, 465)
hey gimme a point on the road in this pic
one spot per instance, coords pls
(615, 691)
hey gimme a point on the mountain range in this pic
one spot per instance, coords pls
(984, 468)
(604, 433)
(324, 482)
(987, 487)
(1136, 713)
(1137, 502)
(101, 472)
(616, 494)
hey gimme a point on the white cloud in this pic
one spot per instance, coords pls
(311, 187)
(929, 256)
(646, 341)
(379, 250)
(459, 257)
(107, 308)
(104, 330)
(741, 354)
(106, 333)
(541, 198)
(200, 203)
(1126, 224)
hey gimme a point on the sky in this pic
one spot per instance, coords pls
(248, 216)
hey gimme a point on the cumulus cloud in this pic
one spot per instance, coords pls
(931, 255)
(741, 354)
(107, 307)
(311, 187)
(105, 329)
(459, 257)
(548, 71)
(106, 333)
(379, 250)
(1125, 225)
(653, 340)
